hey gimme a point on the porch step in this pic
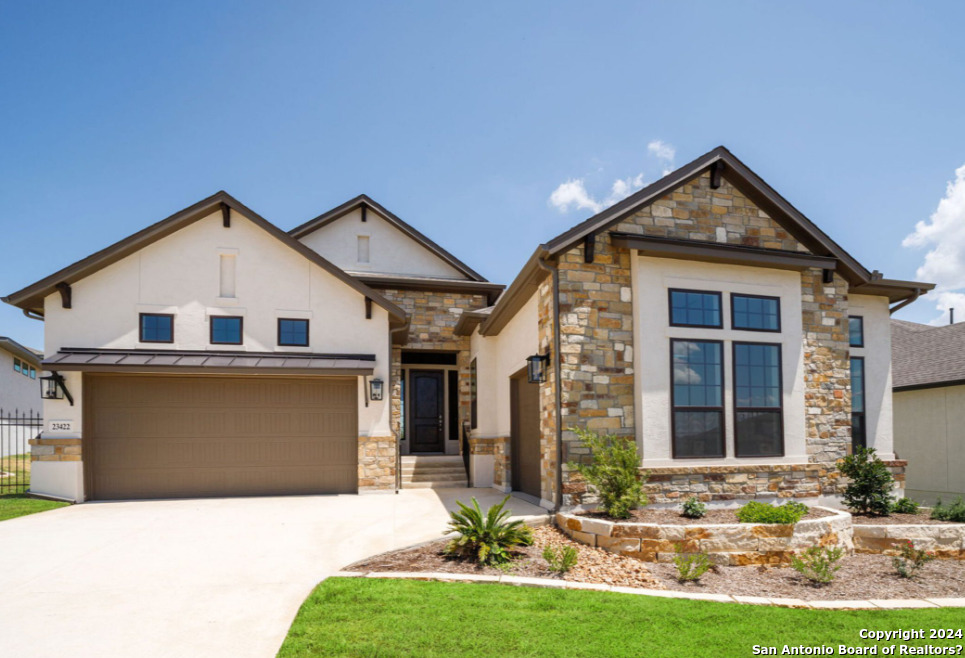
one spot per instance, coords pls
(433, 471)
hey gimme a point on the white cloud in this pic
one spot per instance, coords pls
(944, 235)
(573, 194)
(663, 152)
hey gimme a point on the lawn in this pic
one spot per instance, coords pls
(370, 617)
(13, 501)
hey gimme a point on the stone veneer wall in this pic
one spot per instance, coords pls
(55, 450)
(596, 315)
(499, 448)
(376, 463)
(547, 392)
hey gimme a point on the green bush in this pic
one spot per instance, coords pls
(489, 538)
(560, 558)
(911, 559)
(904, 506)
(818, 564)
(757, 512)
(869, 491)
(694, 509)
(613, 472)
(690, 566)
(954, 512)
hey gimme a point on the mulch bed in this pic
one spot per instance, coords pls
(921, 518)
(673, 517)
(861, 577)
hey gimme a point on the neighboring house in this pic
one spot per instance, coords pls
(929, 395)
(214, 354)
(19, 370)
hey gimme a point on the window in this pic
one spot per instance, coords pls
(755, 313)
(16, 365)
(859, 438)
(856, 331)
(33, 373)
(292, 332)
(363, 256)
(226, 330)
(758, 417)
(472, 395)
(692, 308)
(697, 415)
(24, 370)
(157, 328)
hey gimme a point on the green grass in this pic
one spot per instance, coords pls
(18, 504)
(369, 617)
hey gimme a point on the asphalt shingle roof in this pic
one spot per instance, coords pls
(924, 355)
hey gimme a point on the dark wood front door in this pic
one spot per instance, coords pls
(524, 419)
(428, 410)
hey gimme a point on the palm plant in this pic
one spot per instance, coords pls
(488, 539)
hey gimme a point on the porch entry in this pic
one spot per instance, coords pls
(430, 403)
(524, 426)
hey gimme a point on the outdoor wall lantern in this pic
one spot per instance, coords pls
(375, 390)
(52, 387)
(536, 368)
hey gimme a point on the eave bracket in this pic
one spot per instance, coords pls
(65, 294)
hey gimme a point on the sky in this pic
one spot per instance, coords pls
(491, 127)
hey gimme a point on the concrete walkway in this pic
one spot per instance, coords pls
(214, 577)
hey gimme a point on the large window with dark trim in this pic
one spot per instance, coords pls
(695, 308)
(157, 328)
(292, 332)
(855, 331)
(755, 312)
(226, 329)
(473, 420)
(758, 402)
(697, 415)
(859, 438)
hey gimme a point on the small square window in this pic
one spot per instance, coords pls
(16, 365)
(856, 331)
(157, 328)
(694, 308)
(755, 312)
(226, 330)
(33, 373)
(293, 332)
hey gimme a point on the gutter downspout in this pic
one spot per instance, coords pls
(557, 361)
(398, 450)
(910, 300)
(30, 314)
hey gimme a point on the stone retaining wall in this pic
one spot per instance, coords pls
(947, 541)
(734, 544)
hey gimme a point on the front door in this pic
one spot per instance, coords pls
(428, 410)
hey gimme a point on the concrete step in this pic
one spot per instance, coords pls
(434, 477)
(433, 471)
(454, 484)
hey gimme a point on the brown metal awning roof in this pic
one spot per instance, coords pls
(209, 362)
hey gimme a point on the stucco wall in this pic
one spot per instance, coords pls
(390, 250)
(653, 277)
(180, 274)
(17, 391)
(877, 364)
(930, 434)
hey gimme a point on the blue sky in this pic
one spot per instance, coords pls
(464, 118)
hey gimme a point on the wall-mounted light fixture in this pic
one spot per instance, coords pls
(52, 387)
(536, 368)
(375, 390)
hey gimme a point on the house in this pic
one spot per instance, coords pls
(19, 388)
(929, 400)
(215, 354)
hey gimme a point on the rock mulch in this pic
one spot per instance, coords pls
(673, 517)
(921, 518)
(594, 565)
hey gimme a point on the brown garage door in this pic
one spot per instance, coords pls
(153, 436)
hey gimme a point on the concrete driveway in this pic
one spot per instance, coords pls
(214, 577)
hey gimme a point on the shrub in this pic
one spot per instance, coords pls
(904, 506)
(613, 472)
(690, 566)
(818, 564)
(911, 559)
(954, 512)
(757, 512)
(694, 509)
(489, 538)
(560, 558)
(869, 491)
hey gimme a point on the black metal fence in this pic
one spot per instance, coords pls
(16, 430)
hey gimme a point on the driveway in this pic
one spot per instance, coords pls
(213, 577)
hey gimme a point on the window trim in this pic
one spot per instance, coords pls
(733, 315)
(863, 413)
(241, 329)
(720, 306)
(307, 330)
(720, 410)
(780, 397)
(140, 327)
(473, 395)
(860, 319)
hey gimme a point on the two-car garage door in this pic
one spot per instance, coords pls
(155, 436)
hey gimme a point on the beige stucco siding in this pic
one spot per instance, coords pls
(930, 434)
(18, 392)
(877, 363)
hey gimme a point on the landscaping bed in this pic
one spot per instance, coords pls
(922, 517)
(673, 516)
